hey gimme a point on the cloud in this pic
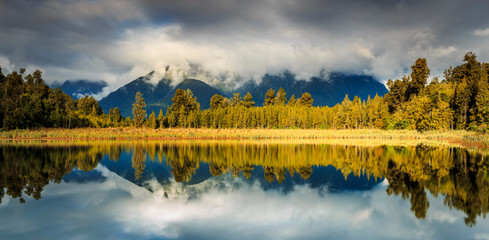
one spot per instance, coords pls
(482, 32)
(234, 41)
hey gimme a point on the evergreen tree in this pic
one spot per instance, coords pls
(216, 101)
(161, 118)
(138, 112)
(248, 100)
(152, 120)
(269, 98)
(292, 101)
(236, 100)
(281, 98)
(419, 77)
(306, 100)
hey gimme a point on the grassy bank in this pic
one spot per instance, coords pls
(360, 137)
(203, 133)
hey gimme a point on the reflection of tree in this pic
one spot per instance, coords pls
(183, 164)
(268, 173)
(27, 170)
(401, 183)
(305, 171)
(247, 169)
(138, 158)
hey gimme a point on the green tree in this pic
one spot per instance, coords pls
(216, 101)
(152, 120)
(419, 76)
(281, 98)
(138, 112)
(269, 98)
(236, 100)
(248, 100)
(292, 101)
(306, 100)
(161, 118)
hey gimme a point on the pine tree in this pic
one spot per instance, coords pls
(292, 101)
(269, 98)
(160, 118)
(306, 100)
(236, 100)
(281, 98)
(248, 100)
(216, 101)
(419, 77)
(138, 112)
(152, 120)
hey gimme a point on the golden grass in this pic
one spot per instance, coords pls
(204, 133)
(362, 137)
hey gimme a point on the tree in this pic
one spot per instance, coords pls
(115, 115)
(236, 100)
(419, 77)
(292, 101)
(281, 98)
(138, 112)
(152, 120)
(269, 97)
(216, 101)
(306, 100)
(397, 93)
(184, 102)
(161, 118)
(248, 100)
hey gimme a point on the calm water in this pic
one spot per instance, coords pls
(241, 190)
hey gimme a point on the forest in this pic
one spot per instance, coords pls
(458, 101)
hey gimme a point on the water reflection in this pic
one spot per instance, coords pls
(459, 176)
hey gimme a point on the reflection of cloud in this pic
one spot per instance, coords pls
(222, 208)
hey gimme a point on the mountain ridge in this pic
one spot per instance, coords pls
(326, 90)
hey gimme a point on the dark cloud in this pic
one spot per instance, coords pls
(118, 40)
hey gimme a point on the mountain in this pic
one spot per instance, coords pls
(80, 88)
(325, 90)
(156, 96)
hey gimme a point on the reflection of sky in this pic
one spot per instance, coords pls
(223, 208)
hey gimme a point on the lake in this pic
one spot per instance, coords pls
(241, 190)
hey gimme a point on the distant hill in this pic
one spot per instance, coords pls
(156, 96)
(80, 88)
(325, 90)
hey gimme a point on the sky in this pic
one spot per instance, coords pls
(119, 40)
(224, 208)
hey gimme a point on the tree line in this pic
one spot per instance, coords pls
(459, 101)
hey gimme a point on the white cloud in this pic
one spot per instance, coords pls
(482, 32)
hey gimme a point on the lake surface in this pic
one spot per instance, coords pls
(241, 190)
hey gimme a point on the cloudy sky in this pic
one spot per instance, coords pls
(119, 40)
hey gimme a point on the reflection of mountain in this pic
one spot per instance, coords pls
(321, 176)
(458, 175)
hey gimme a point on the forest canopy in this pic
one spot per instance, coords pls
(458, 101)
